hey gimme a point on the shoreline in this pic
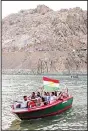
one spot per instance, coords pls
(28, 72)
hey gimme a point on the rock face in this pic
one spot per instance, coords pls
(45, 41)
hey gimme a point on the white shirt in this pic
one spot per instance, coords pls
(24, 104)
(52, 99)
(48, 98)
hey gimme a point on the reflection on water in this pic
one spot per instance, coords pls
(58, 122)
(40, 123)
(15, 86)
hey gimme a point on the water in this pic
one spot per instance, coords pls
(15, 86)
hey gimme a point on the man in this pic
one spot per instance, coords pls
(48, 97)
(33, 95)
(38, 94)
(24, 104)
(53, 98)
(38, 99)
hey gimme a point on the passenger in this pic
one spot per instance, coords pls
(45, 93)
(55, 93)
(43, 101)
(45, 96)
(31, 104)
(33, 95)
(24, 104)
(48, 97)
(53, 97)
(38, 94)
(38, 98)
(25, 98)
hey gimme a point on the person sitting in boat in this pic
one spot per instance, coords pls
(55, 93)
(21, 104)
(52, 97)
(31, 104)
(38, 94)
(43, 101)
(24, 104)
(33, 95)
(38, 98)
(48, 97)
(44, 98)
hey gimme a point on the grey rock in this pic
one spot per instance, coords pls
(45, 41)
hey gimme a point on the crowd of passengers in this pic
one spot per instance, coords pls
(41, 100)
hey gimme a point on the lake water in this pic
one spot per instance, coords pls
(15, 86)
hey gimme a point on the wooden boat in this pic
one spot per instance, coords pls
(56, 107)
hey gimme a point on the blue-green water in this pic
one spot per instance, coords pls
(15, 86)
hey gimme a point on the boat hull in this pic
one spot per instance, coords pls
(49, 110)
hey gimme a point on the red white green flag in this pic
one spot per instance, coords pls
(50, 84)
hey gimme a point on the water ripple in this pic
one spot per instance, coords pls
(15, 86)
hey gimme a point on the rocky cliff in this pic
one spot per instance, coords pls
(45, 41)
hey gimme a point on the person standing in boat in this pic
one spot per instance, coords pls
(44, 98)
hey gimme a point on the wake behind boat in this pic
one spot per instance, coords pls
(62, 102)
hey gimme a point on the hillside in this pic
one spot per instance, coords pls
(45, 41)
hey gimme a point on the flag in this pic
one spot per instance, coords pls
(50, 84)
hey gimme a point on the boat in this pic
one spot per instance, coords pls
(44, 111)
(54, 108)
(74, 76)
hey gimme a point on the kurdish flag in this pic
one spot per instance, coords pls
(50, 84)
